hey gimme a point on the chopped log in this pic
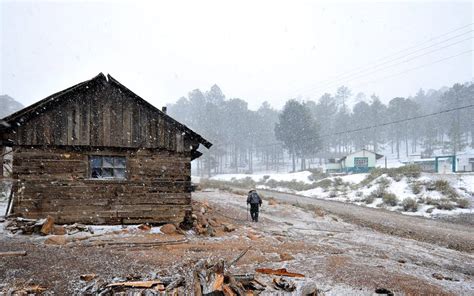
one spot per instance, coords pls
(197, 284)
(210, 278)
(13, 254)
(176, 283)
(137, 284)
(228, 291)
(243, 277)
(88, 277)
(33, 289)
(136, 244)
(48, 226)
(284, 285)
(279, 272)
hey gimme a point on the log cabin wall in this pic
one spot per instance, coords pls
(56, 181)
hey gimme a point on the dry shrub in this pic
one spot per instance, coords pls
(409, 171)
(369, 199)
(410, 205)
(325, 183)
(416, 187)
(445, 204)
(319, 212)
(463, 203)
(390, 199)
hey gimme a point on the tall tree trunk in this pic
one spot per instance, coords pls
(398, 147)
(406, 144)
(294, 161)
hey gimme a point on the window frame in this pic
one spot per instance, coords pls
(365, 159)
(112, 167)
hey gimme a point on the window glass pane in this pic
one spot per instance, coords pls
(119, 162)
(107, 173)
(119, 173)
(96, 173)
(96, 161)
(361, 162)
(108, 162)
(107, 167)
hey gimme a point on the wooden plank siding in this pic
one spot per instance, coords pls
(99, 116)
(55, 182)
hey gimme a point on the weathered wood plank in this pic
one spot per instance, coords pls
(55, 181)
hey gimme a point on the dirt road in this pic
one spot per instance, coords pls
(337, 257)
(446, 234)
(343, 257)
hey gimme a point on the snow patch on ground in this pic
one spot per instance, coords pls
(103, 229)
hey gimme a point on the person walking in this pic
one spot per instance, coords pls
(255, 203)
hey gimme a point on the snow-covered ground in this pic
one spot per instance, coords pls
(402, 189)
(429, 200)
(303, 176)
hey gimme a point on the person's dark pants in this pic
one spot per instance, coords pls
(254, 212)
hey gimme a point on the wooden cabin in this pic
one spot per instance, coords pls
(97, 153)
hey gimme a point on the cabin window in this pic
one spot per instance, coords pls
(361, 162)
(107, 167)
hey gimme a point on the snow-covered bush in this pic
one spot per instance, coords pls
(409, 171)
(369, 199)
(463, 203)
(390, 199)
(325, 183)
(383, 182)
(416, 187)
(378, 193)
(445, 204)
(445, 188)
(409, 205)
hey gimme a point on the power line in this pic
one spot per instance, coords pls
(416, 68)
(406, 49)
(338, 77)
(352, 77)
(377, 125)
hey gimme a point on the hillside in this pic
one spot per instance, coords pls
(8, 105)
(398, 189)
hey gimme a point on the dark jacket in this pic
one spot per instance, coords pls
(254, 198)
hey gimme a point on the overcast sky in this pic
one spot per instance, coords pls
(254, 50)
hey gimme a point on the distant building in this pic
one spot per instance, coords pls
(465, 163)
(358, 162)
(427, 165)
(445, 164)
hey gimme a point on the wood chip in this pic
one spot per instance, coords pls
(137, 284)
(280, 272)
(13, 254)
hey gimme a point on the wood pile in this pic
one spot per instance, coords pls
(205, 221)
(43, 227)
(206, 277)
(160, 286)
